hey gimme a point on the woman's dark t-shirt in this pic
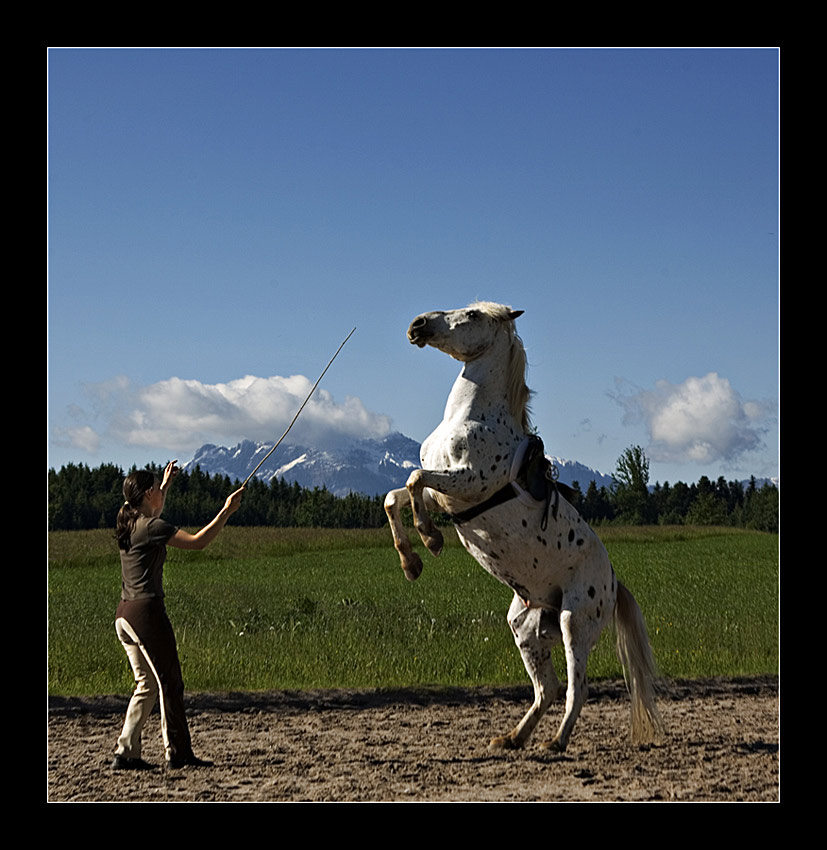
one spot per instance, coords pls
(142, 565)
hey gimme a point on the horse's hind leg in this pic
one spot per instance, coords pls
(535, 631)
(410, 561)
(579, 635)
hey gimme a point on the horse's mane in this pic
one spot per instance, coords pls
(518, 392)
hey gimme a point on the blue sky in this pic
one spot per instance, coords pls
(220, 219)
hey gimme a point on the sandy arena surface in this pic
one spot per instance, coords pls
(428, 745)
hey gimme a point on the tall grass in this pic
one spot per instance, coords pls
(305, 608)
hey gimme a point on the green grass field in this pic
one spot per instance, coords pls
(318, 608)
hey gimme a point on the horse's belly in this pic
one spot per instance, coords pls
(538, 582)
(538, 564)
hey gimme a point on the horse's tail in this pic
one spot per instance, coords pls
(639, 670)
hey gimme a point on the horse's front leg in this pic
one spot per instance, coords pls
(410, 561)
(461, 484)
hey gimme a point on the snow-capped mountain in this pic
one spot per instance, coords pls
(571, 471)
(363, 466)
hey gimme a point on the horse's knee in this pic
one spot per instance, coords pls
(413, 479)
(393, 501)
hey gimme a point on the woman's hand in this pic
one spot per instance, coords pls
(184, 540)
(233, 502)
(170, 472)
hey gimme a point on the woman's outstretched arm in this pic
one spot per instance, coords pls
(201, 539)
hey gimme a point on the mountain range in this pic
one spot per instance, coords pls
(367, 466)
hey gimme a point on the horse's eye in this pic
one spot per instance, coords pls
(473, 314)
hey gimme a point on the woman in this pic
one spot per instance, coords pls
(141, 621)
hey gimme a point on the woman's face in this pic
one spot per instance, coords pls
(153, 499)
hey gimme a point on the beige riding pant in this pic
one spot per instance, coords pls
(156, 673)
(143, 697)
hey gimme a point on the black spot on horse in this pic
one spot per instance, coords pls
(591, 592)
(571, 535)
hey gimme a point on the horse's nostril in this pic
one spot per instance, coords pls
(418, 331)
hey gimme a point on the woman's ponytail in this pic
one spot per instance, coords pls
(135, 486)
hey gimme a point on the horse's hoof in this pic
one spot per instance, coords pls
(554, 746)
(504, 742)
(412, 568)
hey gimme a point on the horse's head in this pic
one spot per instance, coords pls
(472, 332)
(463, 334)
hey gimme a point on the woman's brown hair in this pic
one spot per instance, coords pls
(135, 486)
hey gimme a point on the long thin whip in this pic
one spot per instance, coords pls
(300, 409)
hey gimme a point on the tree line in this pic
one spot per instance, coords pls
(84, 498)
(632, 501)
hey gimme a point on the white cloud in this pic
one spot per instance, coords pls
(84, 438)
(701, 420)
(182, 415)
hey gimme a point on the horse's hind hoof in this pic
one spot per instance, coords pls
(412, 568)
(553, 746)
(504, 742)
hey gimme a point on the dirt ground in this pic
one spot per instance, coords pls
(422, 745)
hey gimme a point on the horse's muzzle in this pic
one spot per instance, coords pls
(418, 332)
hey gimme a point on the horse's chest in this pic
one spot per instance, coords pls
(476, 445)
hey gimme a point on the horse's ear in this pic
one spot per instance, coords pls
(514, 314)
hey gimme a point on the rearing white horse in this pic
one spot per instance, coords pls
(482, 467)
